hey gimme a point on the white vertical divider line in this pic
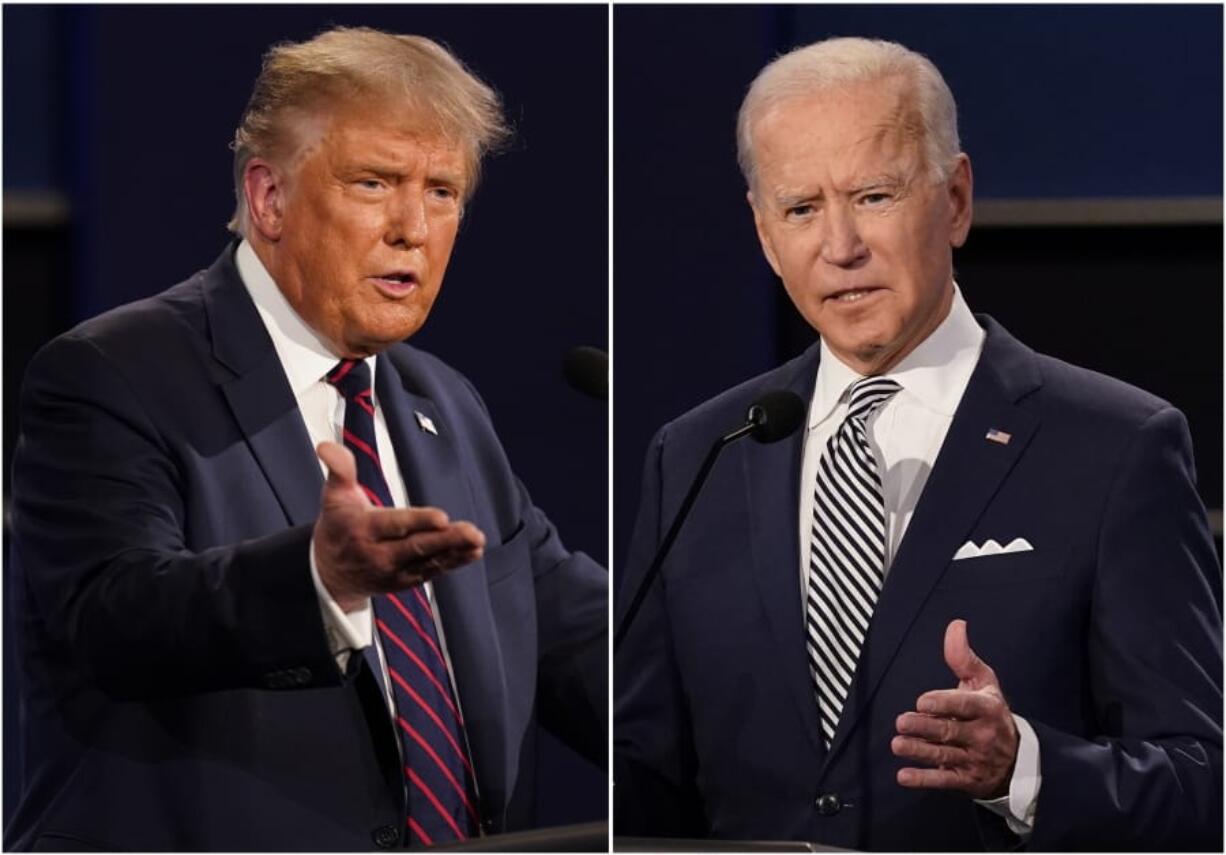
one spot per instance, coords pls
(609, 406)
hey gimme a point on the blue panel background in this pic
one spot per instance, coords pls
(33, 99)
(1066, 101)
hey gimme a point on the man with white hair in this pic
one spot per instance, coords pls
(973, 602)
(229, 644)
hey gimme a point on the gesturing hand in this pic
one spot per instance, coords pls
(967, 733)
(362, 550)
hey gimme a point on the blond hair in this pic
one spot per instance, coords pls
(305, 79)
(839, 62)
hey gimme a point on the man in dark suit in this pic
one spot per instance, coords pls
(227, 645)
(973, 602)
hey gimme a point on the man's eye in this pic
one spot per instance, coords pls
(795, 211)
(370, 183)
(444, 193)
(875, 198)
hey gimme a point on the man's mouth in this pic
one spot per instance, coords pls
(396, 283)
(852, 295)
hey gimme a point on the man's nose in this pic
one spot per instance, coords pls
(841, 242)
(408, 224)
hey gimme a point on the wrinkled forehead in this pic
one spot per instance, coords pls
(845, 130)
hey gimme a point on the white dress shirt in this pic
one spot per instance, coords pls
(307, 360)
(906, 434)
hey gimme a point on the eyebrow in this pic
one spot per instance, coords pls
(790, 199)
(446, 176)
(382, 170)
(876, 181)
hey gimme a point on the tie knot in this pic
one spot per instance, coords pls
(351, 376)
(868, 395)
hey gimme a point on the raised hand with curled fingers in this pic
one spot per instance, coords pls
(362, 550)
(965, 737)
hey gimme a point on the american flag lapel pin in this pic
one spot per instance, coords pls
(425, 422)
(1000, 436)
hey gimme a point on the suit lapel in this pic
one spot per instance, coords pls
(267, 413)
(966, 474)
(773, 492)
(259, 394)
(434, 476)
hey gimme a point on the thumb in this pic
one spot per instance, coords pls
(342, 469)
(967, 667)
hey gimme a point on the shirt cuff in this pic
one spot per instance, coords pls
(346, 631)
(1019, 806)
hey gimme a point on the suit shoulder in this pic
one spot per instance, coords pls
(148, 325)
(421, 362)
(727, 410)
(136, 363)
(1095, 397)
(422, 373)
(425, 373)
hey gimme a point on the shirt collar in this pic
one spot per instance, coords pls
(934, 374)
(304, 355)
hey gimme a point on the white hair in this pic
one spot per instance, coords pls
(835, 63)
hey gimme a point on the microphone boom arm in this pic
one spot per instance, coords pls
(755, 419)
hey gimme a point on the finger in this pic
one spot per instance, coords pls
(342, 481)
(342, 468)
(943, 756)
(437, 564)
(947, 731)
(416, 550)
(967, 666)
(932, 779)
(961, 704)
(471, 534)
(397, 523)
(457, 537)
(445, 562)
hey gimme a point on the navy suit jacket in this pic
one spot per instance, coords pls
(1107, 637)
(179, 692)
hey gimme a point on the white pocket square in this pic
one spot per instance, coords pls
(991, 547)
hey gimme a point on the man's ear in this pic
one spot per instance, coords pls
(763, 238)
(961, 186)
(264, 186)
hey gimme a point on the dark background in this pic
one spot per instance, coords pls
(1118, 105)
(117, 185)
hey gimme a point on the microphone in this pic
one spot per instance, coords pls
(587, 370)
(774, 416)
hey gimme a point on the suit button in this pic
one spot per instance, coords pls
(386, 837)
(828, 804)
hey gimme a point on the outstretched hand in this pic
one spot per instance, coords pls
(965, 736)
(362, 550)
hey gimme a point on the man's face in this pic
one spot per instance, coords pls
(368, 215)
(851, 222)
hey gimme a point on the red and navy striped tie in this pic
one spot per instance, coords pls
(441, 789)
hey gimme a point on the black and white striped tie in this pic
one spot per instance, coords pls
(846, 552)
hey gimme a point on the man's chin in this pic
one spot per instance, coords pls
(865, 357)
(371, 347)
(375, 338)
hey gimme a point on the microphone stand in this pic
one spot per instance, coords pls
(757, 417)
